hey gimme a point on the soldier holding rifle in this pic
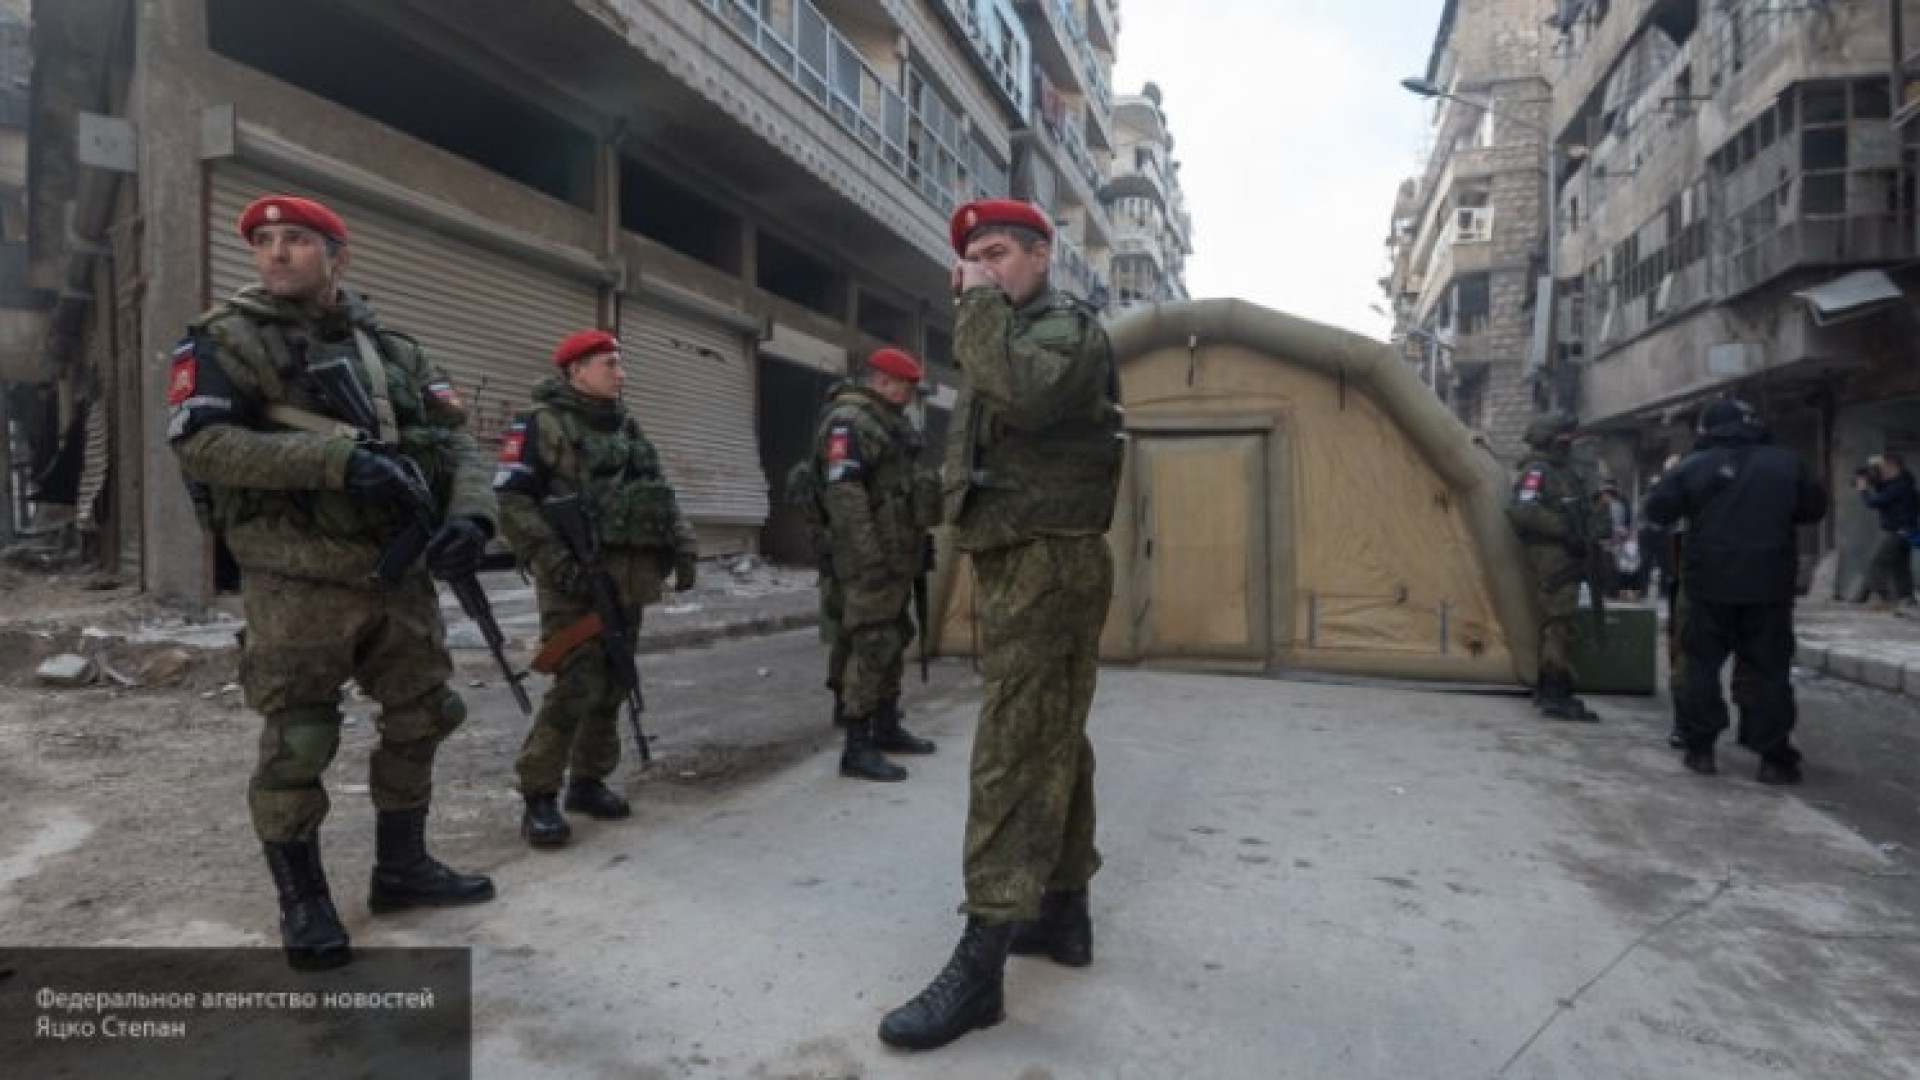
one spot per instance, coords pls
(587, 508)
(310, 496)
(876, 502)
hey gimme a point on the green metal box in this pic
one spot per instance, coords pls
(1622, 663)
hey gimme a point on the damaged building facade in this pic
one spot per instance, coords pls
(1732, 214)
(752, 193)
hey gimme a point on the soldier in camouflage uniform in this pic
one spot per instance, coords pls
(878, 504)
(306, 504)
(1547, 494)
(1030, 480)
(580, 440)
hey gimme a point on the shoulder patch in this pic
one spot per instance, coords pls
(1529, 485)
(513, 442)
(842, 452)
(184, 373)
(440, 388)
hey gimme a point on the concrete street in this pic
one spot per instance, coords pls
(1304, 880)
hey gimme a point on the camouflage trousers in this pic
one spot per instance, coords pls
(578, 725)
(1559, 608)
(303, 640)
(866, 663)
(1030, 807)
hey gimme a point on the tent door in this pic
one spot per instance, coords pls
(1201, 546)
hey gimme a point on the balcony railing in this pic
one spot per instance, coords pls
(1059, 121)
(1073, 273)
(1075, 31)
(1006, 69)
(923, 142)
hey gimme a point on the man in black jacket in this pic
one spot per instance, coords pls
(1889, 489)
(1741, 497)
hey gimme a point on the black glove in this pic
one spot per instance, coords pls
(1576, 547)
(456, 549)
(381, 479)
(685, 569)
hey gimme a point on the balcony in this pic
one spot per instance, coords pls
(922, 142)
(1103, 23)
(1061, 48)
(1005, 69)
(1059, 118)
(1073, 272)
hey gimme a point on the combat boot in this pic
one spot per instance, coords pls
(405, 876)
(1063, 932)
(595, 799)
(967, 994)
(542, 823)
(860, 761)
(1557, 701)
(310, 929)
(890, 737)
(1699, 759)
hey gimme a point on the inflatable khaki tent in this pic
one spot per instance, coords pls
(1294, 498)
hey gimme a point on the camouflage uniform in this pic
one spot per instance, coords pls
(572, 443)
(1547, 492)
(304, 546)
(878, 505)
(1030, 478)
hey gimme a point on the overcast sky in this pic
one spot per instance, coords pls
(1293, 133)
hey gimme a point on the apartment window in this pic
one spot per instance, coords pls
(1823, 148)
(1473, 302)
(1824, 103)
(1871, 100)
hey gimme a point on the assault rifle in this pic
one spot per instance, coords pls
(335, 381)
(607, 620)
(1594, 560)
(920, 600)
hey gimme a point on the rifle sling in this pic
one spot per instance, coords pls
(375, 373)
(561, 645)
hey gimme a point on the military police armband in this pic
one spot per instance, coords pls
(199, 394)
(842, 454)
(516, 468)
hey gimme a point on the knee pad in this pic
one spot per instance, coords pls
(432, 716)
(307, 741)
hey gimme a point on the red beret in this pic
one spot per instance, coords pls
(291, 210)
(583, 343)
(973, 215)
(895, 363)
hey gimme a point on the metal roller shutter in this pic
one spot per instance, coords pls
(691, 386)
(489, 322)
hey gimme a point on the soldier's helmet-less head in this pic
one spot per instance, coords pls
(1547, 430)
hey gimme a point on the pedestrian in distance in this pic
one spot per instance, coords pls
(1886, 487)
(314, 440)
(1029, 481)
(1741, 497)
(875, 502)
(578, 459)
